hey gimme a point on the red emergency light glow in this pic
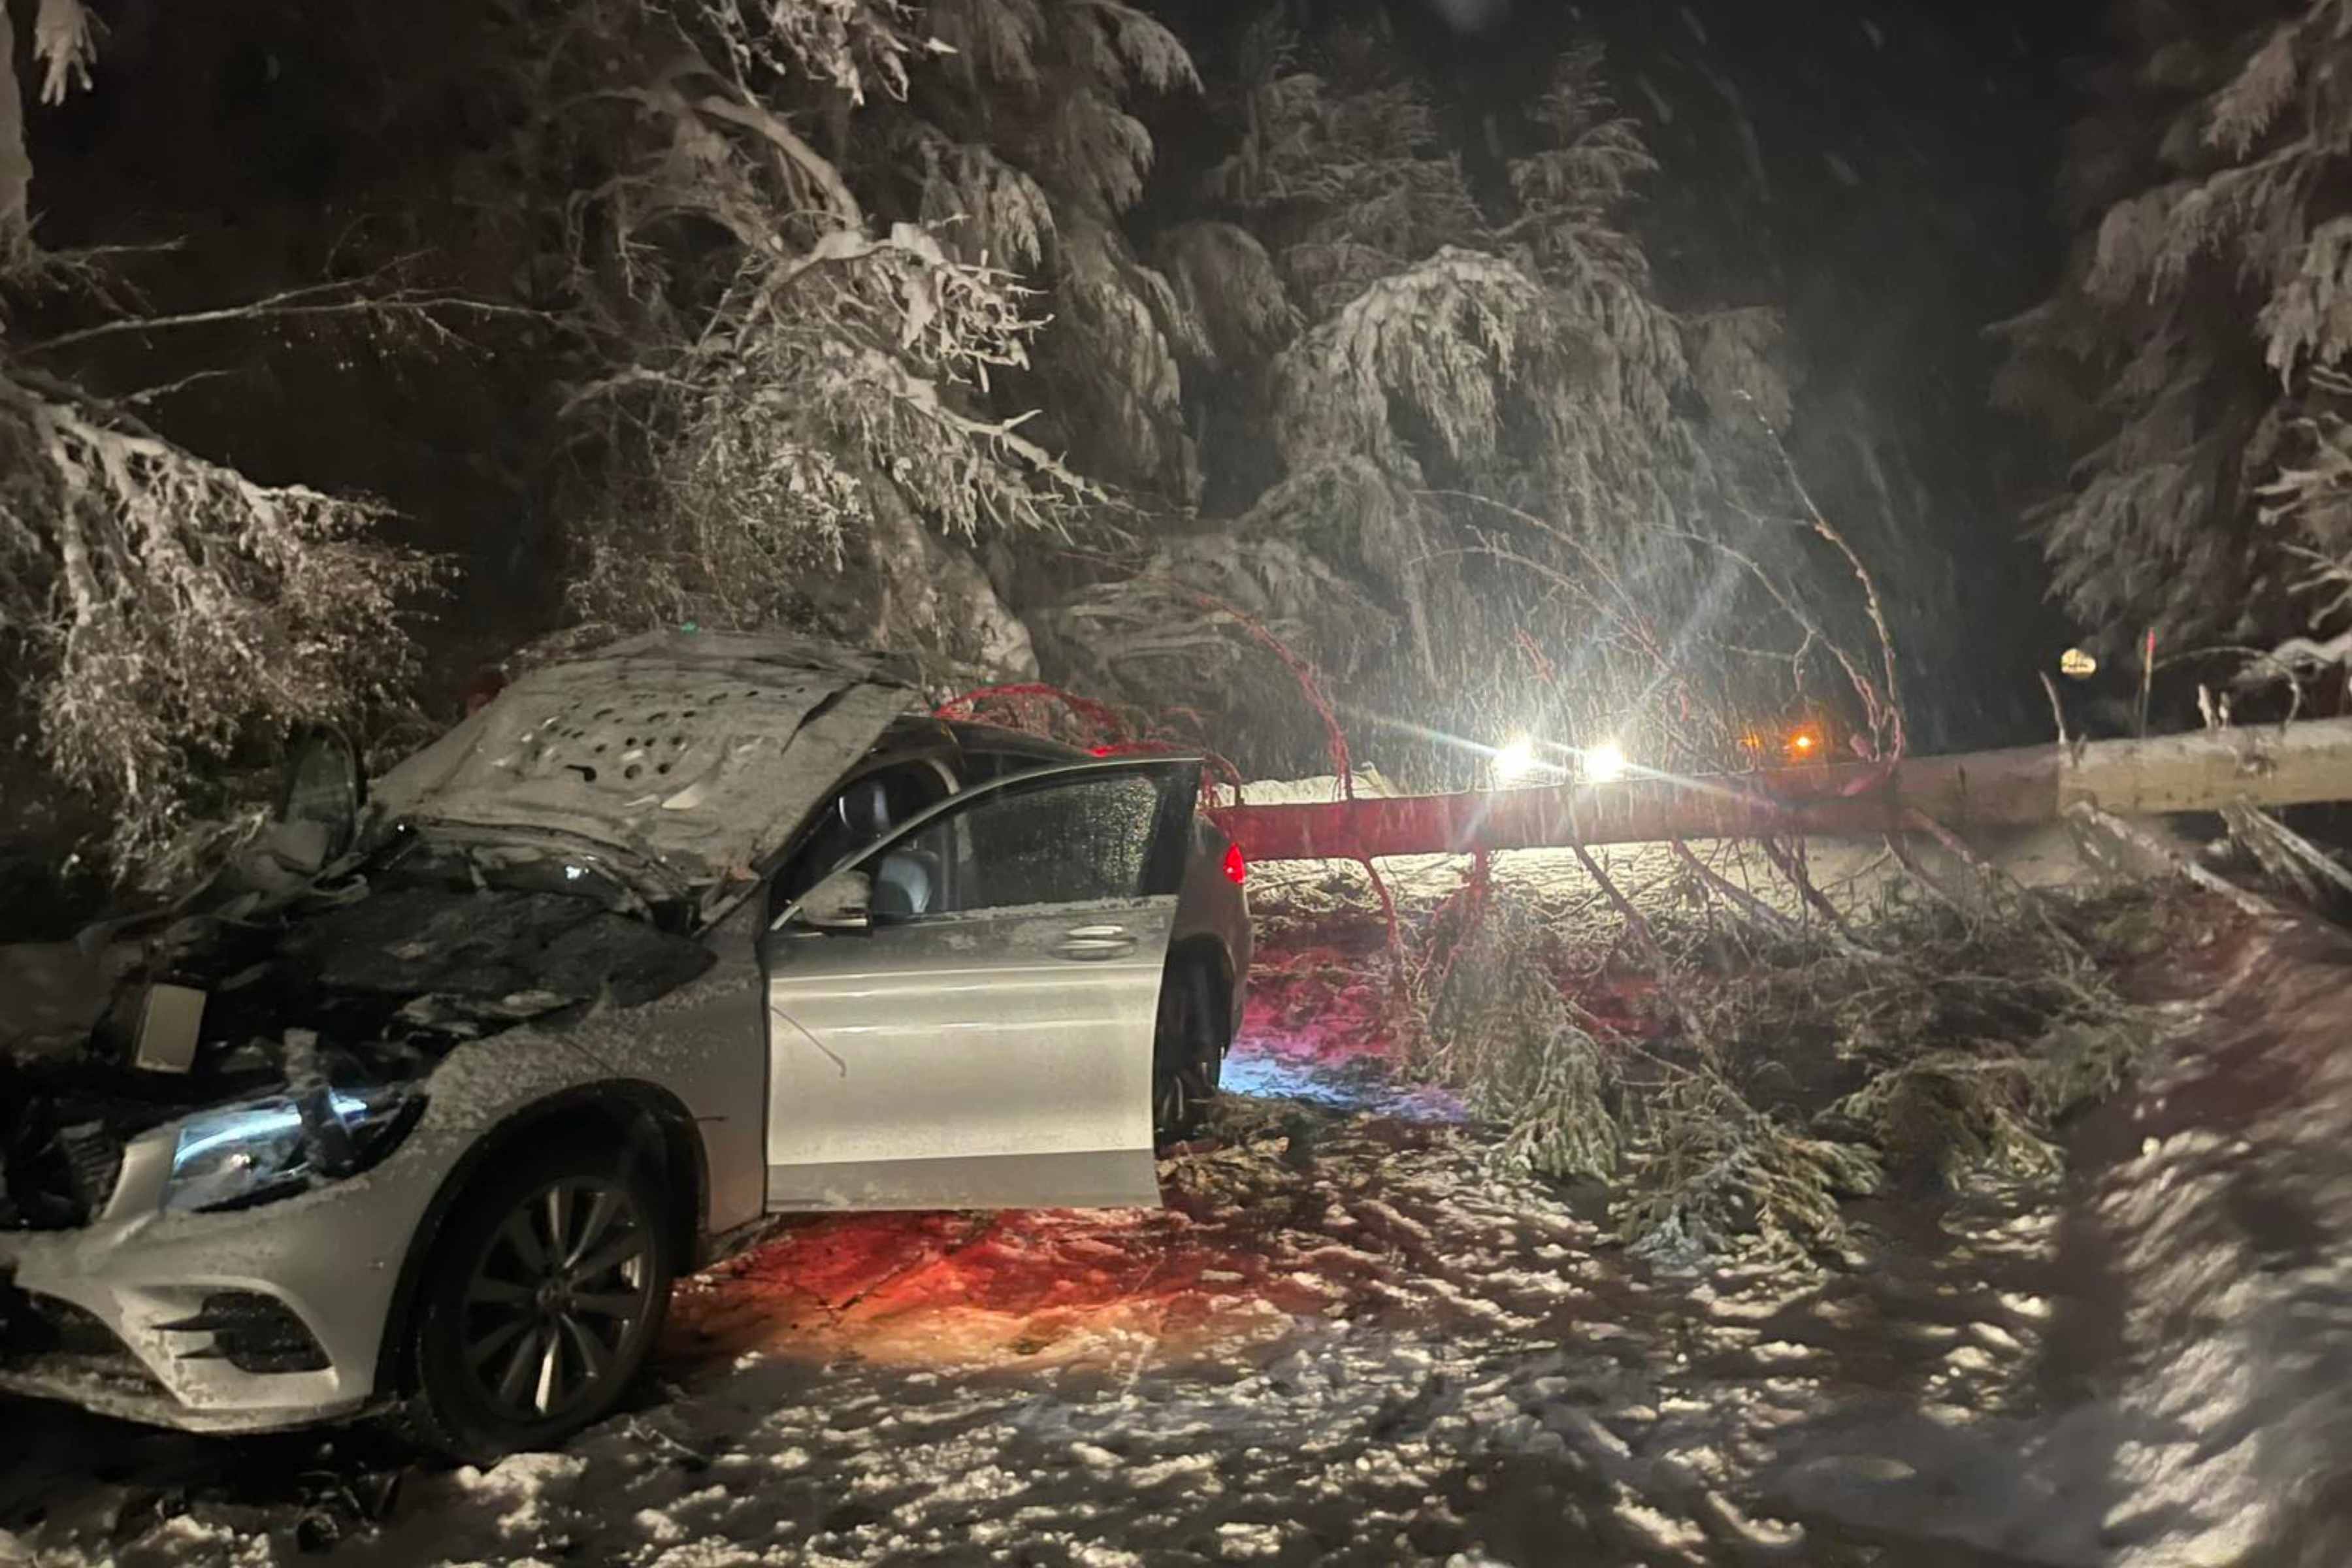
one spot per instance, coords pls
(1236, 866)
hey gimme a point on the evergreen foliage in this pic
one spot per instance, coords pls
(1485, 420)
(156, 604)
(865, 330)
(797, 363)
(2192, 357)
(1792, 1065)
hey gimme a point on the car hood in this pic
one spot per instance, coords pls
(695, 750)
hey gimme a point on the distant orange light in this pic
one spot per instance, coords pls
(1804, 741)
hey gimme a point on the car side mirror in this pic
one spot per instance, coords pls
(842, 902)
(318, 802)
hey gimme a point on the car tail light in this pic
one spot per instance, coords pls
(1236, 866)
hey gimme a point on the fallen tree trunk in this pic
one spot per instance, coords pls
(2270, 765)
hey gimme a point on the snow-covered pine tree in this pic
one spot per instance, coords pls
(827, 255)
(781, 355)
(153, 605)
(2192, 358)
(1041, 93)
(1479, 422)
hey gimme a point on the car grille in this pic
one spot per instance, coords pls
(93, 1163)
(55, 1174)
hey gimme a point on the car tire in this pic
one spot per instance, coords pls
(541, 1299)
(1188, 1052)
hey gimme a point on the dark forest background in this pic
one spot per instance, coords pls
(1497, 359)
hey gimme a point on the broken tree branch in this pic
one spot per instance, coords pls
(1740, 897)
(293, 303)
(1790, 864)
(2149, 844)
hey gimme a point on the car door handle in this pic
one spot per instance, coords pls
(1097, 941)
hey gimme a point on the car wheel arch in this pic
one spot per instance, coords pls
(627, 1107)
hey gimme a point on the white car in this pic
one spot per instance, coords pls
(429, 1109)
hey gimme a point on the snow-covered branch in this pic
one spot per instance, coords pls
(160, 603)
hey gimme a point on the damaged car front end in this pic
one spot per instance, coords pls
(269, 1083)
(232, 1138)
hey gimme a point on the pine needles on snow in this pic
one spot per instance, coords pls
(1732, 1082)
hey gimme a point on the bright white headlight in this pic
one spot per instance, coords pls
(1515, 760)
(1604, 762)
(265, 1149)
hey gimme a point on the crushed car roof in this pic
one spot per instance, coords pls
(699, 750)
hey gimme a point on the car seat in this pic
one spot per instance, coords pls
(905, 884)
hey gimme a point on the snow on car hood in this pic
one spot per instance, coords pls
(699, 750)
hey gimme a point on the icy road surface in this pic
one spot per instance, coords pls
(1349, 1340)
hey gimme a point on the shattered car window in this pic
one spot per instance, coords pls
(1063, 843)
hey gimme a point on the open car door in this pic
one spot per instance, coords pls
(962, 1016)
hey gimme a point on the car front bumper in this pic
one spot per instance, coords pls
(86, 1314)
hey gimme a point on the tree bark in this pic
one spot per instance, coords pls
(2261, 767)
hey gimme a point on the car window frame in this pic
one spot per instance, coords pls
(1008, 753)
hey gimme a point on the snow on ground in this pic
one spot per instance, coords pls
(1347, 1340)
(1350, 1339)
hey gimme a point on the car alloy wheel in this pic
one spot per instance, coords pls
(555, 1296)
(541, 1299)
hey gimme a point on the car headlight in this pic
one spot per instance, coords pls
(264, 1149)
